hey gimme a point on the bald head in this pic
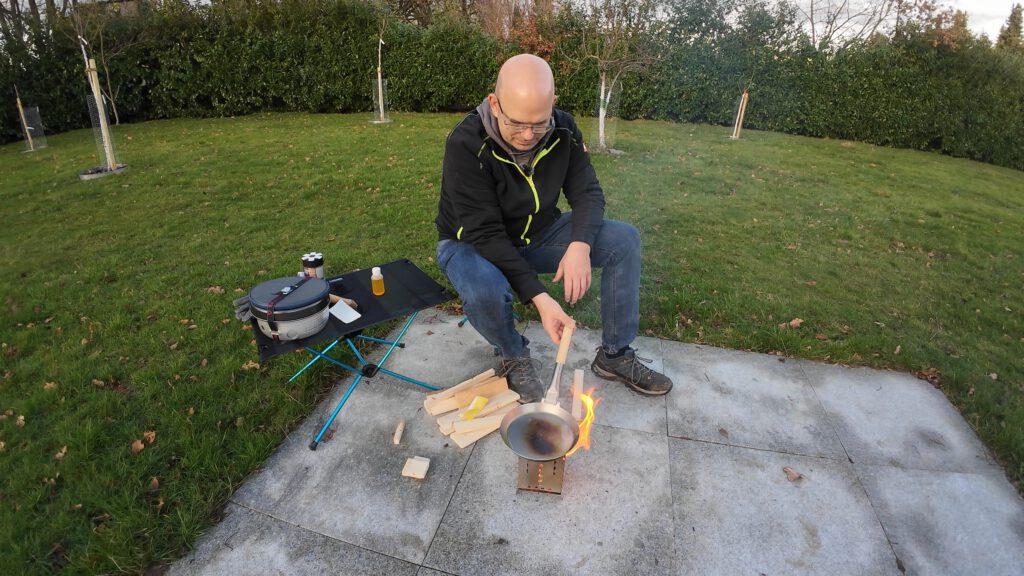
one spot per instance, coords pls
(523, 94)
(525, 77)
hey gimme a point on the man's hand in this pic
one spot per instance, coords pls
(575, 267)
(552, 317)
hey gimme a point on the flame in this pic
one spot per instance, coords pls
(588, 421)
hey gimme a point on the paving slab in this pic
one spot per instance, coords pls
(620, 406)
(644, 500)
(736, 512)
(249, 542)
(613, 517)
(949, 522)
(896, 419)
(351, 487)
(746, 399)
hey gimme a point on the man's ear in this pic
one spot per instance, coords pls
(556, 99)
(492, 99)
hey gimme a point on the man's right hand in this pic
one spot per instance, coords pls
(552, 317)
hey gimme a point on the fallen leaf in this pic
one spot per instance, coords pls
(246, 327)
(137, 446)
(21, 422)
(898, 349)
(184, 321)
(154, 484)
(97, 382)
(994, 376)
(250, 365)
(810, 283)
(60, 454)
(723, 433)
(795, 323)
(226, 321)
(159, 503)
(84, 341)
(49, 386)
(8, 412)
(191, 411)
(149, 436)
(173, 346)
(932, 375)
(822, 337)
(3, 446)
(792, 475)
(215, 289)
(239, 291)
(76, 507)
(791, 247)
(204, 362)
(239, 421)
(970, 391)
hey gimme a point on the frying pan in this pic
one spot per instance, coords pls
(542, 431)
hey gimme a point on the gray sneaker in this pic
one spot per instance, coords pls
(522, 378)
(628, 368)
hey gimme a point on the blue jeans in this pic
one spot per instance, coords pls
(487, 296)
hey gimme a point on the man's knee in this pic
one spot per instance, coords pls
(620, 237)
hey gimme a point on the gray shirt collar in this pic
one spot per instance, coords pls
(523, 159)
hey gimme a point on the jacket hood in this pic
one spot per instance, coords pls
(524, 159)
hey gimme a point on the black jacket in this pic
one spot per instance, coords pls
(498, 207)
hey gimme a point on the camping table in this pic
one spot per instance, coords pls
(407, 290)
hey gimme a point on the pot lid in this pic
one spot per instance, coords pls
(311, 291)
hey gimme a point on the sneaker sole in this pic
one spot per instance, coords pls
(613, 376)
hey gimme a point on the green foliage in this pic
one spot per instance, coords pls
(234, 57)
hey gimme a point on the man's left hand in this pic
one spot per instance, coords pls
(575, 268)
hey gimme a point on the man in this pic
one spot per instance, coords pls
(505, 165)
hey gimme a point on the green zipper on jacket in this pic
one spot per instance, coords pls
(529, 180)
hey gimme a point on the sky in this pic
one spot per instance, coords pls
(986, 16)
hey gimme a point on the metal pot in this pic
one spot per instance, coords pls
(291, 308)
(542, 431)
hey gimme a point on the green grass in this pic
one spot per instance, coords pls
(106, 292)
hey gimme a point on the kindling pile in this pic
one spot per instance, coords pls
(472, 409)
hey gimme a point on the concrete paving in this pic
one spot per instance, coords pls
(892, 480)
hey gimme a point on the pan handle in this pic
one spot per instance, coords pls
(563, 346)
(563, 352)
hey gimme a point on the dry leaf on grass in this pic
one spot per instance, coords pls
(226, 321)
(84, 341)
(251, 365)
(191, 411)
(215, 289)
(97, 382)
(3, 446)
(137, 446)
(60, 454)
(932, 375)
(49, 386)
(184, 321)
(899, 348)
(794, 323)
(149, 436)
(792, 475)
(822, 337)
(21, 422)
(723, 433)
(204, 362)
(810, 283)
(994, 376)
(154, 484)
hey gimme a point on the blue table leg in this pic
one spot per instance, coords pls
(316, 441)
(317, 355)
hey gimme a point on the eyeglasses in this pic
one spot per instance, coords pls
(539, 129)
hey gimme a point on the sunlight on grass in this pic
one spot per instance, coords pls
(892, 258)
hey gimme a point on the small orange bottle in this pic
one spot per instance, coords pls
(377, 282)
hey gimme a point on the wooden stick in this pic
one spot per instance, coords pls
(466, 426)
(447, 421)
(462, 398)
(577, 391)
(463, 440)
(398, 432)
(449, 392)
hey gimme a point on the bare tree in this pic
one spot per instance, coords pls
(838, 22)
(619, 38)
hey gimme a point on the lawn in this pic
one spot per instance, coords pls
(117, 326)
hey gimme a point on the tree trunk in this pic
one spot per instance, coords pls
(602, 112)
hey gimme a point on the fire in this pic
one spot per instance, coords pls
(588, 421)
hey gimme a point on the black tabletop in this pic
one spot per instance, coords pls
(407, 289)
